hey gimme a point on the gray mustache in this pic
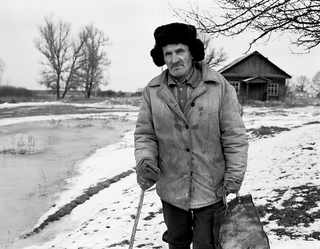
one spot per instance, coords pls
(176, 65)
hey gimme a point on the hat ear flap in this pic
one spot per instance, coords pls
(157, 56)
(197, 50)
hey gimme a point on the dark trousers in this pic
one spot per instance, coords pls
(186, 227)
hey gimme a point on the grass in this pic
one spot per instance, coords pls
(300, 209)
(266, 131)
(55, 123)
(20, 145)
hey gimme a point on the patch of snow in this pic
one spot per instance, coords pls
(106, 219)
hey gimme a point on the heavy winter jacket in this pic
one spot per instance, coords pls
(195, 150)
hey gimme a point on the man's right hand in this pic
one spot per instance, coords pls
(147, 174)
(228, 187)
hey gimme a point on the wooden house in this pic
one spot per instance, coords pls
(256, 78)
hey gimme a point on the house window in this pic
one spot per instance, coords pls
(273, 89)
(236, 86)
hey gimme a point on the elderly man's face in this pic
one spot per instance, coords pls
(178, 59)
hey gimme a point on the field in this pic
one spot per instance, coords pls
(95, 207)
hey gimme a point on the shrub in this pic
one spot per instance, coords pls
(6, 91)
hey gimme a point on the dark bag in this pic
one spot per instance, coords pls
(237, 226)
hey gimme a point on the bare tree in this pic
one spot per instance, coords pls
(213, 57)
(91, 73)
(302, 84)
(75, 63)
(2, 68)
(62, 55)
(299, 18)
(316, 82)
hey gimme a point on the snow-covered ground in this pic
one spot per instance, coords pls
(282, 166)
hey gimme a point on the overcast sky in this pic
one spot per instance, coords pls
(129, 24)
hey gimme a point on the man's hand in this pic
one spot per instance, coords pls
(147, 174)
(228, 187)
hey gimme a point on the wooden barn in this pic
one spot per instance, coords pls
(256, 78)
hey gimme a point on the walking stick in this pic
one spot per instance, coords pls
(136, 220)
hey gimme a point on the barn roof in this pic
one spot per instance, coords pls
(247, 56)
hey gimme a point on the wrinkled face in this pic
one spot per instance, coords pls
(178, 59)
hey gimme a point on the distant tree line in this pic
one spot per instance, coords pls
(305, 85)
(10, 91)
(72, 63)
(22, 94)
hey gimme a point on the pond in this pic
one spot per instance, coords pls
(32, 174)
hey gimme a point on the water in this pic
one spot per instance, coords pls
(30, 184)
(27, 185)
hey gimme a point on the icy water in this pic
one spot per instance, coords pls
(30, 184)
(27, 185)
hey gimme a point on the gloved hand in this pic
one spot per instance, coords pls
(228, 187)
(147, 174)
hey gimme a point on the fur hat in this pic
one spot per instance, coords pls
(175, 33)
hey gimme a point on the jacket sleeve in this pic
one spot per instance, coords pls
(233, 135)
(145, 139)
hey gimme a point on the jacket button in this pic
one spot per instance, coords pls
(193, 104)
(187, 150)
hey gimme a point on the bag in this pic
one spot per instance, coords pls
(237, 226)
